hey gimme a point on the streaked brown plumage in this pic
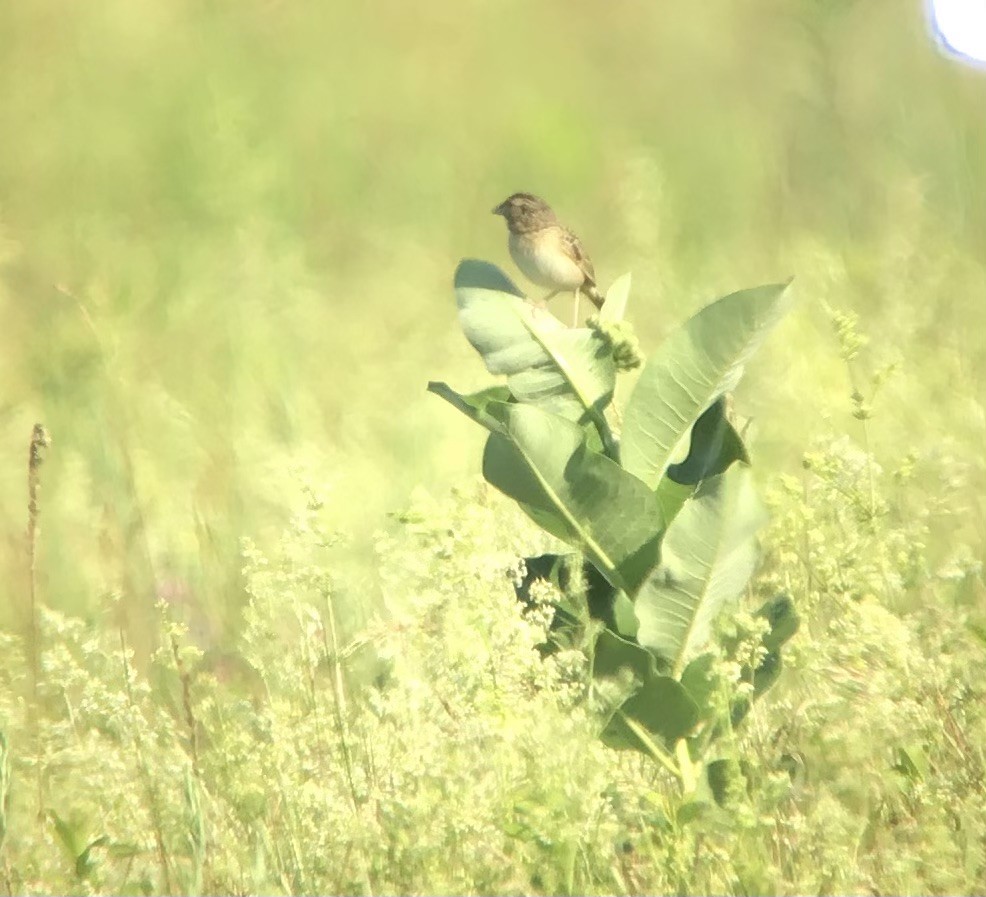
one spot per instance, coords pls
(546, 251)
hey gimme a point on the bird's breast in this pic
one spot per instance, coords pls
(542, 259)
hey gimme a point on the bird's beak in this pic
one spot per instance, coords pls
(500, 209)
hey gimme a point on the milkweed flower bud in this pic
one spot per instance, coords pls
(621, 340)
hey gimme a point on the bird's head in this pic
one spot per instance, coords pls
(525, 212)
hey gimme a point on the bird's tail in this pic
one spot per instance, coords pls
(592, 291)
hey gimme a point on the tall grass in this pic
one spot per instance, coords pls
(226, 242)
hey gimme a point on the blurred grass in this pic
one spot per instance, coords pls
(227, 234)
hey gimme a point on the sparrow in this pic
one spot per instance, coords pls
(546, 251)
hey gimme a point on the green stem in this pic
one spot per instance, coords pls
(689, 780)
(657, 752)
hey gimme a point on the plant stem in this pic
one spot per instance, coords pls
(653, 748)
(186, 699)
(611, 448)
(689, 781)
(40, 441)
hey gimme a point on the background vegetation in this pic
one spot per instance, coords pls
(227, 234)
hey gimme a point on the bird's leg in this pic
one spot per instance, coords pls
(540, 306)
(575, 323)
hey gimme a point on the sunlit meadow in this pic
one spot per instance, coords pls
(270, 642)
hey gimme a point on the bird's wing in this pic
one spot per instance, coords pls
(576, 251)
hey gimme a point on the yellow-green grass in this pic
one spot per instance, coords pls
(227, 235)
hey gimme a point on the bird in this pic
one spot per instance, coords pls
(546, 251)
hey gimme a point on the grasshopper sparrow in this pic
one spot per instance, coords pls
(546, 251)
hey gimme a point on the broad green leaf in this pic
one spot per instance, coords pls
(671, 496)
(622, 661)
(698, 362)
(780, 613)
(661, 707)
(541, 460)
(473, 406)
(764, 676)
(625, 621)
(549, 519)
(784, 621)
(567, 371)
(698, 681)
(714, 445)
(615, 306)
(768, 671)
(707, 557)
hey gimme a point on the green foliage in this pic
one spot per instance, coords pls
(674, 557)
(545, 464)
(568, 372)
(438, 750)
(707, 558)
(218, 282)
(699, 363)
(713, 445)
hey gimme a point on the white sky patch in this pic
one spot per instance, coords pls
(961, 26)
